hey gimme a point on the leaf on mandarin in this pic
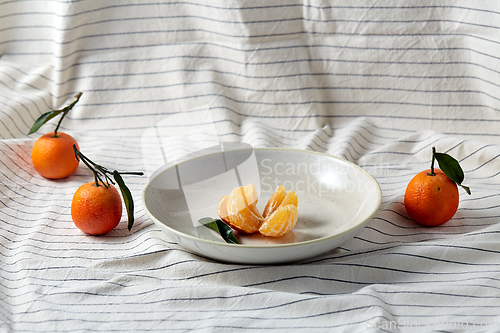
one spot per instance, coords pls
(452, 169)
(43, 119)
(127, 198)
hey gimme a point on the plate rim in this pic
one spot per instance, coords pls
(272, 246)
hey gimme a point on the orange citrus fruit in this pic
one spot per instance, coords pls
(54, 157)
(96, 210)
(431, 199)
(239, 210)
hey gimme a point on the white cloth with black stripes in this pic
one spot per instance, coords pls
(375, 82)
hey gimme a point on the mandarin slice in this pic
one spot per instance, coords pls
(222, 209)
(281, 213)
(251, 197)
(275, 201)
(224, 215)
(280, 222)
(242, 215)
(290, 199)
(250, 194)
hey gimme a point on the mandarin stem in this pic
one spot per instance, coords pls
(80, 156)
(98, 169)
(66, 110)
(432, 163)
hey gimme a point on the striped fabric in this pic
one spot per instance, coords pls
(377, 83)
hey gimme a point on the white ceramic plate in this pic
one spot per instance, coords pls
(336, 200)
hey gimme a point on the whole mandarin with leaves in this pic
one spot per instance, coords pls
(96, 208)
(431, 197)
(52, 154)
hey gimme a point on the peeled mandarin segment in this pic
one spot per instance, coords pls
(255, 211)
(280, 222)
(275, 201)
(250, 194)
(240, 215)
(222, 209)
(290, 199)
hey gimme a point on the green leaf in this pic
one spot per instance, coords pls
(221, 228)
(51, 114)
(452, 169)
(466, 188)
(43, 119)
(127, 198)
